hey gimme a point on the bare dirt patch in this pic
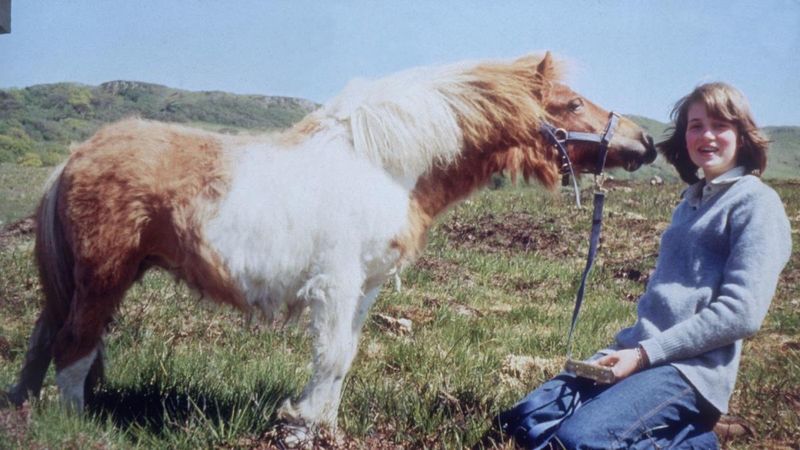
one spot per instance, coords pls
(439, 269)
(513, 232)
(22, 227)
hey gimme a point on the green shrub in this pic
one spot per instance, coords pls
(30, 160)
(11, 148)
(52, 158)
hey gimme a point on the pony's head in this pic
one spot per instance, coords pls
(629, 147)
(512, 101)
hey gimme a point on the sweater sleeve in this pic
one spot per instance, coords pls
(760, 245)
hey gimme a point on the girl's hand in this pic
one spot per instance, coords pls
(622, 362)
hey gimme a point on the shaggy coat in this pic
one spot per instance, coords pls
(316, 217)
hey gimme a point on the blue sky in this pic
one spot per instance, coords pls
(636, 57)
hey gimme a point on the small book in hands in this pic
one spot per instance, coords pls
(591, 371)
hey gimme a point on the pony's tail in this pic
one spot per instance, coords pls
(54, 259)
(53, 253)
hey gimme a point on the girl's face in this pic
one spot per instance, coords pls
(712, 143)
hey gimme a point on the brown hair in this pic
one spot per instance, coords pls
(724, 102)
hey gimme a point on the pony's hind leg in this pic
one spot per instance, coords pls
(71, 380)
(37, 360)
(96, 373)
(78, 349)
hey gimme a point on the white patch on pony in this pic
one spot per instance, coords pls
(293, 214)
(409, 121)
(71, 380)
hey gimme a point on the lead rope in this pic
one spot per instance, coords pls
(594, 239)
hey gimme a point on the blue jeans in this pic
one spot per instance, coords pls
(654, 408)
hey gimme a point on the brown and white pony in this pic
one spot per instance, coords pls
(318, 216)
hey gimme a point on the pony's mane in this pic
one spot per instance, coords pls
(410, 121)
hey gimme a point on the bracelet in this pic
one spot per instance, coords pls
(642, 361)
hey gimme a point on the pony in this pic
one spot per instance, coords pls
(316, 217)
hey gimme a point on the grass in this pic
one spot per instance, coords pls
(20, 190)
(495, 285)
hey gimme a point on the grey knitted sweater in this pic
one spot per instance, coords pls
(717, 269)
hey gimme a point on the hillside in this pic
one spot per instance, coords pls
(784, 156)
(38, 123)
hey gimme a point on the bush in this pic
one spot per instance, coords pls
(12, 147)
(80, 99)
(52, 158)
(30, 160)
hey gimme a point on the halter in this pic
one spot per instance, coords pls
(559, 137)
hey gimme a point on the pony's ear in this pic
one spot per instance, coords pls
(546, 71)
(547, 68)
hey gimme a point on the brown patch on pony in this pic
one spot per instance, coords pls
(444, 186)
(412, 241)
(507, 98)
(133, 196)
(503, 137)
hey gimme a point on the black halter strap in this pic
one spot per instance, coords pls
(559, 137)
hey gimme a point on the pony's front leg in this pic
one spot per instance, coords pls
(337, 322)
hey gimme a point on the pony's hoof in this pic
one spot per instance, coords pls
(295, 436)
(292, 431)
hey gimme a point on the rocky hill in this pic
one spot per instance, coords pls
(38, 123)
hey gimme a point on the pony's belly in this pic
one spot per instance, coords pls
(275, 301)
(278, 293)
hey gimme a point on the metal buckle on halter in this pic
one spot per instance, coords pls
(561, 135)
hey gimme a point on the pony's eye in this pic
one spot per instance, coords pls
(575, 104)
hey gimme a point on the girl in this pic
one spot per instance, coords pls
(715, 276)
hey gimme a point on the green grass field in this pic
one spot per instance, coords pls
(490, 303)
